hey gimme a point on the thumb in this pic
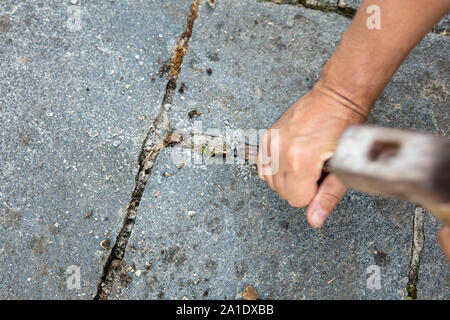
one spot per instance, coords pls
(444, 241)
(330, 192)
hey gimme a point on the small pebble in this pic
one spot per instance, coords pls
(105, 244)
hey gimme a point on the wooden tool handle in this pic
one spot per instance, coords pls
(400, 164)
(393, 163)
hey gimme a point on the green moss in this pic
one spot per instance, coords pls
(412, 293)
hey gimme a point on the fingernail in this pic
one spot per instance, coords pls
(318, 217)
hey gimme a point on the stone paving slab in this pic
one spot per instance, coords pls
(249, 60)
(288, 48)
(209, 231)
(227, 229)
(434, 270)
(74, 110)
(443, 24)
(349, 8)
(75, 104)
(417, 96)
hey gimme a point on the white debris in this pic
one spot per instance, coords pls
(191, 213)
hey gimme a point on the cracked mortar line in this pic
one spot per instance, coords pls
(340, 8)
(416, 251)
(154, 142)
(337, 8)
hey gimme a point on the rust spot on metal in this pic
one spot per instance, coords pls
(382, 150)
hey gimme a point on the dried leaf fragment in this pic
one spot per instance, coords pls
(105, 244)
(250, 293)
(212, 3)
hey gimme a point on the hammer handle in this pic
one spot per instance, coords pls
(440, 211)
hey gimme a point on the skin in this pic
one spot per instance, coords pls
(350, 83)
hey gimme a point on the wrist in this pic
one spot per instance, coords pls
(352, 82)
(359, 69)
(338, 102)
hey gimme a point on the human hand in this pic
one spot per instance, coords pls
(444, 241)
(308, 133)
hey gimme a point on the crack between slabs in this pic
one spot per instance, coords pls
(341, 9)
(154, 142)
(416, 251)
(338, 8)
(441, 31)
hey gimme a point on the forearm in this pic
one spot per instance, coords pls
(366, 59)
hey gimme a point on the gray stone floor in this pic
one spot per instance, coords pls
(76, 103)
(74, 110)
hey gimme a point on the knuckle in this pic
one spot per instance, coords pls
(294, 156)
(278, 185)
(261, 176)
(297, 202)
(282, 196)
(303, 199)
(264, 147)
(265, 137)
(258, 165)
